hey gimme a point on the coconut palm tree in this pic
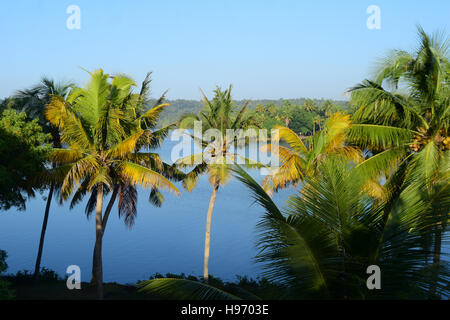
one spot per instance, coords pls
(140, 110)
(285, 113)
(300, 157)
(410, 94)
(328, 108)
(33, 102)
(103, 138)
(321, 245)
(310, 105)
(218, 114)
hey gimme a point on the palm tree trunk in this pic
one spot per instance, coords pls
(97, 261)
(104, 222)
(37, 267)
(208, 232)
(109, 207)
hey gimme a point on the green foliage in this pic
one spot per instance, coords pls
(34, 100)
(181, 286)
(24, 148)
(322, 243)
(302, 122)
(107, 128)
(220, 113)
(5, 292)
(184, 289)
(26, 277)
(267, 118)
(3, 264)
(403, 119)
(301, 118)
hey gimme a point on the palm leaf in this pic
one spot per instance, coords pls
(145, 177)
(184, 289)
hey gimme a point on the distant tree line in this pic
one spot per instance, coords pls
(303, 115)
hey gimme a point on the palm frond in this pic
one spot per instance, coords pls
(127, 203)
(145, 177)
(379, 136)
(292, 139)
(183, 289)
(156, 197)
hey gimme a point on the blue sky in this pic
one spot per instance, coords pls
(266, 49)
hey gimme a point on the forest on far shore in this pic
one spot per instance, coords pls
(302, 115)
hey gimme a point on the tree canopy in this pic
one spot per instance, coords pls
(24, 147)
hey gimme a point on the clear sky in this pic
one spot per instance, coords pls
(266, 49)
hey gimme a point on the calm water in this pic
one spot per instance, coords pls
(166, 239)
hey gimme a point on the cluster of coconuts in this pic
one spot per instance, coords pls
(420, 140)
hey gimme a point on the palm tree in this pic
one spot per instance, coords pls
(33, 101)
(310, 105)
(299, 159)
(316, 121)
(103, 138)
(410, 94)
(285, 113)
(220, 114)
(321, 244)
(333, 230)
(328, 108)
(125, 190)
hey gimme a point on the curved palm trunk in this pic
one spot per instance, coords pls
(37, 266)
(208, 232)
(97, 261)
(104, 222)
(56, 144)
(109, 207)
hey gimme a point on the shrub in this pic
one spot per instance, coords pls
(5, 291)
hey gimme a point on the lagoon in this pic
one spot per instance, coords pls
(166, 239)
